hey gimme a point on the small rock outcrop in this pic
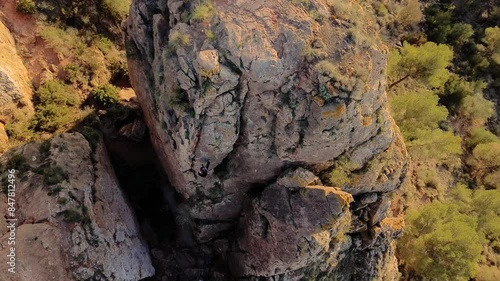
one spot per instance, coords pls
(73, 222)
(287, 102)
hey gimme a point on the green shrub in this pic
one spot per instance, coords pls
(106, 95)
(178, 39)
(51, 117)
(456, 89)
(480, 136)
(56, 92)
(54, 175)
(25, 6)
(62, 200)
(44, 149)
(312, 54)
(55, 106)
(18, 162)
(18, 127)
(210, 35)
(327, 68)
(441, 243)
(381, 10)
(75, 74)
(180, 101)
(203, 12)
(410, 14)
(104, 45)
(118, 8)
(72, 216)
(63, 41)
(54, 191)
(477, 109)
(341, 173)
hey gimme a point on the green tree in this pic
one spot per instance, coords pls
(492, 41)
(426, 64)
(491, 51)
(480, 135)
(418, 115)
(476, 109)
(485, 164)
(486, 156)
(441, 243)
(486, 205)
(417, 110)
(456, 89)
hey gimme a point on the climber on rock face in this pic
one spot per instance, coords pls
(204, 170)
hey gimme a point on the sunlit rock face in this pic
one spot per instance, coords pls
(15, 86)
(269, 91)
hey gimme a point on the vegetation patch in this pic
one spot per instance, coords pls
(72, 216)
(55, 106)
(105, 95)
(180, 101)
(177, 39)
(44, 149)
(203, 11)
(26, 7)
(53, 174)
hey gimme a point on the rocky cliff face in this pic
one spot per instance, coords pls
(15, 89)
(287, 103)
(73, 222)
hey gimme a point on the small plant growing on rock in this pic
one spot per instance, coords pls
(53, 175)
(54, 191)
(18, 162)
(44, 149)
(72, 216)
(180, 101)
(178, 39)
(210, 35)
(25, 7)
(203, 12)
(106, 95)
(91, 136)
(328, 69)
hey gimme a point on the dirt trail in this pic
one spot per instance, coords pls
(39, 59)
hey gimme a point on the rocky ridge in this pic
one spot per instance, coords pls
(278, 94)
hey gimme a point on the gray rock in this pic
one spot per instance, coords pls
(256, 107)
(80, 226)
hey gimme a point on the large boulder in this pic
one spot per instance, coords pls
(258, 88)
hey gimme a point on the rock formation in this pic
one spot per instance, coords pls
(15, 89)
(73, 222)
(287, 102)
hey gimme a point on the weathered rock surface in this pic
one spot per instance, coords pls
(280, 87)
(15, 85)
(73, 222)
(14, 81)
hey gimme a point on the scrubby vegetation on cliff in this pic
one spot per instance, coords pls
(85, 36)
(443, 88)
